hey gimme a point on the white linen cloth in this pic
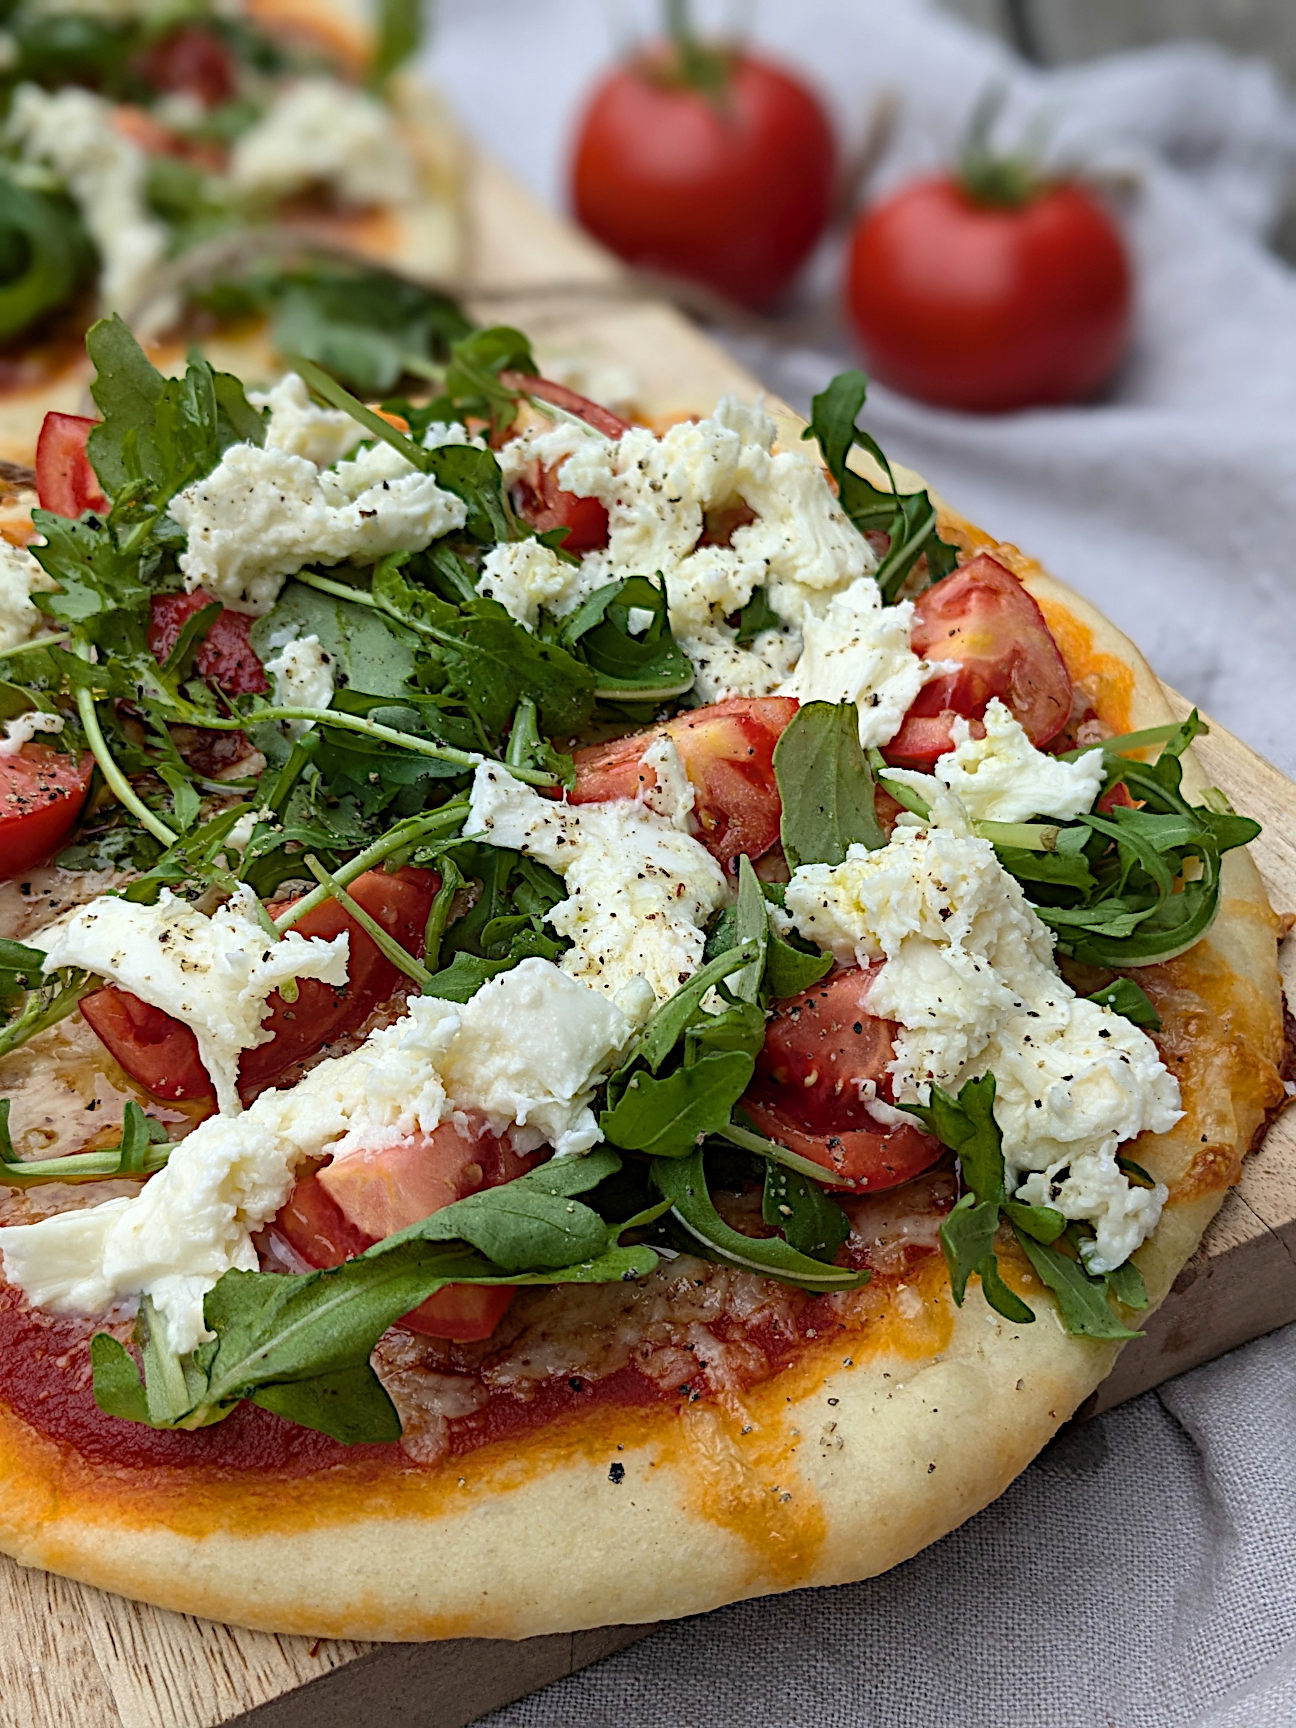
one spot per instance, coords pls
(1143, 1572)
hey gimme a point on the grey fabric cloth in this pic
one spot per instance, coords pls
(1142, 1574)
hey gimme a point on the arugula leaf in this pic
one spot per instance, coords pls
(645, 666)
(810, 1220)
(471, 388)
(756, 616)
(826, 784)
(683, 1182)
(668, 1116)
(966, 1125)
(398, 32)
(907, 518)
(669, 1022)
(20, 969)
(144, 1148)
(1123, 996)
(158, 434)
(276, 1333)
(46, 253)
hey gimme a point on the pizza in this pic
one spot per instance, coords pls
(599, 1021)
(261, 177)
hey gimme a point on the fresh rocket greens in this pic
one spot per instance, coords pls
(907, 519)
(967, 1126)
(300, 1344)
(200, 787)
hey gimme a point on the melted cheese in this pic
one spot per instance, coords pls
(1002, 777)
(318, 133)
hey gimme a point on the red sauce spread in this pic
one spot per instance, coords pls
(691, 1330)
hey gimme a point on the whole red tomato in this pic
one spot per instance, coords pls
(990, 304)
(716, 167)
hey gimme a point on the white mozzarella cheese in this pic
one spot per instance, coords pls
(24, 727)
(319, 133)
(527, 1050)
(639, 889)
(213, 973)
(301, 427)
(20, 577)
(523, 576)
(71, 132)
(263, 513)
(1002, 777)
(969, 977)
(303, 677)
(857, 650)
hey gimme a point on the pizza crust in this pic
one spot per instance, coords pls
(871, 1447)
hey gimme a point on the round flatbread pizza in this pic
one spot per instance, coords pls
(259, 177)
(599, 1021)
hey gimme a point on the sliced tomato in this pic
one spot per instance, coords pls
(162, 1053)
(65, 481)
(539, 499)
(728, 755)
(339, 1210)
(226, 656)
(190, 61)
(982, 617)
(41, 794)
(545, 390)
(825, 1056)
(159, 1052)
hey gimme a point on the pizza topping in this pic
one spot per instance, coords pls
(72, 132)
(969, 977)
(262, 513)
(317, 133)
(1002, 777)
(300, 426)
(526, 1053)
(639, 889)
(20, 577)
(303, 676)
(213, 973)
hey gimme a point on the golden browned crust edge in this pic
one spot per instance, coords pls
(867, 1451)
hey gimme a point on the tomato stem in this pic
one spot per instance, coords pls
(1002, 179)
(704, 68)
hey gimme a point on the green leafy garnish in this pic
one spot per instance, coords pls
(908, 519)
(144, 1148)
(826, 784)
(966, 1125)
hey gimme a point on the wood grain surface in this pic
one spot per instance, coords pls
(73, 1657)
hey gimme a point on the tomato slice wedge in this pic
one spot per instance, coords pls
(226, 657)
(982, 617)
(162, 1054)
(538, 497)
(65, 481)
(825, 1056)
(41, 794)
(192, 61)
(728, 754)
(337, 1211)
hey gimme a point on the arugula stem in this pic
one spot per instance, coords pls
(333, 393)
(36, 642)
(405, 833)
(1029, 836)
(75, 1166)
(399, 957)
(339, 590)
(1127, 741)
(116, 780)
(332, 717)
(34, 1019)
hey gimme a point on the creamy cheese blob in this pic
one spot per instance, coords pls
(969, 976)
(302, 427)
(639, 888)
(523, 576)
(303, 677)
(857, 650)
(834, 640)
(20, 577)
(529, 1048)
(1002, 777)
(265, 512)
(24, 727)
(72, 133)
(319, 133)
(213, 973)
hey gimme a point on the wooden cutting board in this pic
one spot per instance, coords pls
(73, 1657)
